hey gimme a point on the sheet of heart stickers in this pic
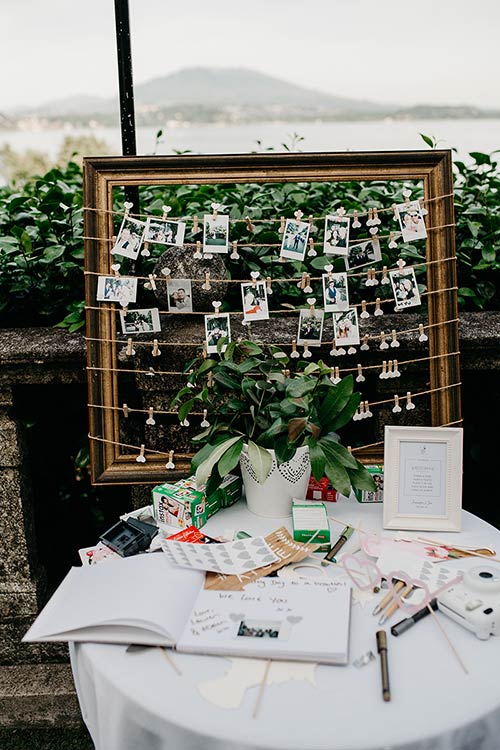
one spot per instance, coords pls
(229, 558)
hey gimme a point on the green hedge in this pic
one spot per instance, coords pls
(41, 245)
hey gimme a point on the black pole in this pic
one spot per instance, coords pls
(126, 88)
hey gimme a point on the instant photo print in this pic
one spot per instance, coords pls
(335, 292)
(164, 232)
(180, 298)
(411, 221)
(295, 238)
(346, 327)
(140, 321)
(122, 289)
(405, 288)
(363, 254)
(217, 327)
(255, 305)
(215, 233)
(336, 240)
(129, 239)
(310, 327)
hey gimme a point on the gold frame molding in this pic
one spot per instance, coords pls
(101, 175)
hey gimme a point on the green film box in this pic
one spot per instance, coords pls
(179, 506)
(228, 493)
(373, 496)
(309, 518)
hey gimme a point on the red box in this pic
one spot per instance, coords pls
(321, 490)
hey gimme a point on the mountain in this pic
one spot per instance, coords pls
(236, 87)
(211, 88)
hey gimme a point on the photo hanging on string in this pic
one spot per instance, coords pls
(363, 254)
(405, 288)
(335, 292)
(180, 298)
(336, 240)
(122, 289)
(164, 232)
(129, 239)
(310, 327)
(411, 221)
(215, 233)
(255, 306)
(217, 327)
(146, 320)
(346, 327)
(295, 238)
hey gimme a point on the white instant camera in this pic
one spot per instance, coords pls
(475, 602)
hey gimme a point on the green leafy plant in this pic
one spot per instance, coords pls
(254, 399)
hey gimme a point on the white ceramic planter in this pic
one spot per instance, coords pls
(273, 498)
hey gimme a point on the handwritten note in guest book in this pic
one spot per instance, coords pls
(147, 600)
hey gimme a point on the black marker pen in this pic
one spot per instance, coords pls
(404, 625)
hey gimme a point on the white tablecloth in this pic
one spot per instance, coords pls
(136, 701)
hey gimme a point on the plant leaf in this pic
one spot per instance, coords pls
(261, 461)
(338, 476)
(347, 412)
(299, 387)
(335, 400)
(337, 452)
(318, 460)
(204, 469)
(230, 458)
(185, 409)
(361, 478)
(295, 428)
(208, 364)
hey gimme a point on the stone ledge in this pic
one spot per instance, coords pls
(38, 695)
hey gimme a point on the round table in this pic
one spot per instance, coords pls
(136, 701)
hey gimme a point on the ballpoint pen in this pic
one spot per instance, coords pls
(387, 598)
(393, 606)
(343, 538)
(403, 625)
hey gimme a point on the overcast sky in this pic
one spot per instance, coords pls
(435, 51)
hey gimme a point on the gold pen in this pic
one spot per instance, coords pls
(387, 598)
(384, 666)
(394, 605)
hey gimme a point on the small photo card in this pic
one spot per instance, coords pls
(363, 254)
(254, 298)
(336, 241)
(411, 221)
(405, 288)
(140, 321)
(164, 232)
(129, 239)
(335, 292)
(217, 327)
(122, 289)
(310, 327)
(295, 238)
(215, 233)
(346, 327)
(180, 298)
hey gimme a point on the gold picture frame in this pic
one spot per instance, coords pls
(433, 168)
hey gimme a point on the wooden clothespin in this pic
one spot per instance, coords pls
(128, 206)
(394, 336)
(311, 252)
(378, 309)
(249, 224)
(269, 287)
(216, 306)
(205, 422)
(383, 342)
(409, 403)
(234, 254)
(166, 272)
(145, 252)
(360, 377)
(356, 222)
(311, 301)
(125, 410)
(421, 335)
(170, 463)
(365, 346)
(401, 264)
(254, 275)
(385, 277)
(152, 280)
(390, 373)
(156, 351)
(406, 195)
(197, 251)
(302, 281)
(204, 351)
(364, 312)
(341, 211)
(392, 241)
(308, 287)
(116, 269)
(130, 348)
(210, 380)
(214, 207)
(206, 286)
(368, 413)
(166, 210)
(141, 458)
(383, 374)
(195, 224)
(369, 220)
(294, 353)
(298, 215)
(395, 371)
(150, 420)
(306, 353)
(396, 408)
(329, 270)
(282, 225)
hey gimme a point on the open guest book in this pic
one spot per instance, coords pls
(148, 600)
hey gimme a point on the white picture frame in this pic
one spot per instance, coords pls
(423, 478)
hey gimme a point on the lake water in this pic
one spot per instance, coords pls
(464, 135)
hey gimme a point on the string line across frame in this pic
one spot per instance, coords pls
(103, 175)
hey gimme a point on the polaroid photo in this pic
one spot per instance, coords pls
(405, 288)
(346, 327)
(215, 233)
(180, 299)
(336, 240)
(335, 292)
(122, 289)
(363, 254)
(249, 628)
(295, 238)
(255, 306)
(217, 327)
(140, 321)
(310, 327)
(164, 232)
(411, 221)
(129, 239)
